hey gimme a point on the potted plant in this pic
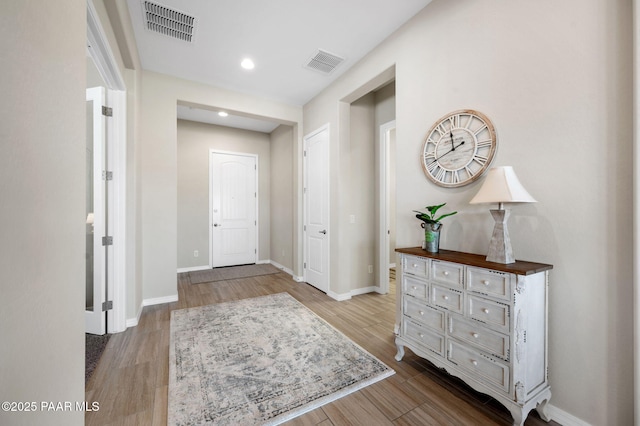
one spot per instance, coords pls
(432, 226)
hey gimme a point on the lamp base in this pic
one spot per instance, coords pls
(500, 250)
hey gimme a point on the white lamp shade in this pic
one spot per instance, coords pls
(502, 186)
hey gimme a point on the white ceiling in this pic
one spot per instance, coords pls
(279, 35)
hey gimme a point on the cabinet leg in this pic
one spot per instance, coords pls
(400, 353)
(543, 410)
(518, 416)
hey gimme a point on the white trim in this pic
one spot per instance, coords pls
(298, 278)
(100, 51)
(383, 206)
(564, 418)
(340, 297)
(365, 290)
(132, 322)
(194, 268)
(160, 300)
(283, 268)
(116, 318)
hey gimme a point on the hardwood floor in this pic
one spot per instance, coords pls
(131, 380)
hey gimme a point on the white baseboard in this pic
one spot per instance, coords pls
(194, 268)
(364, 290)
(283, 268)
(160, 300)
(564, 418)
(132, 322)
(340, 297)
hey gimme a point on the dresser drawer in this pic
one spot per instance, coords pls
(447, 298)
(496, 344)
(491, 283)
(482, 368)
(427, 338)
(424, 314)
(447, 273)
(489, 312)
(415, 287)
(415, 266)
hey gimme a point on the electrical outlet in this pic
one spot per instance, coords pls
(196, 253)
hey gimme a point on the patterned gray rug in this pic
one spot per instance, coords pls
(260, 361)
(232, 273)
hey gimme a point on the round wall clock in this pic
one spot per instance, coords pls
(459, 148)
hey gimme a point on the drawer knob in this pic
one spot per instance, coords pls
(421, 312)
(414, 287)
(446, 273)
(445, 297)
(474, 362)
(475, 335)
(421, 335)
(485, 310)
(485, 282)
(415, 265)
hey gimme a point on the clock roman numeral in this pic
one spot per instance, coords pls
(484, 126)
(480, 159)
(441, 129)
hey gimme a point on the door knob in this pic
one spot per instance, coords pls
(324, 231)
(215, 224)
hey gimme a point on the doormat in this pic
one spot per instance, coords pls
(232, 273)
(262, 361)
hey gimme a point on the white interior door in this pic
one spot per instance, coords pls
(316, 207)
(96, 210)
(233, 204)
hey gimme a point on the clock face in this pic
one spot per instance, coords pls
(459, 148)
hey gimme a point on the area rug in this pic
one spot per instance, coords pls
(232, 273)
(260, 361)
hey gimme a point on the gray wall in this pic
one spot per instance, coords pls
(560, 97)
(194, 142)
(42, 186)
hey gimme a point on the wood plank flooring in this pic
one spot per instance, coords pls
(131, 380)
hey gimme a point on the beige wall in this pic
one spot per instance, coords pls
(42, 185)
(283, 196)
(195, 140)
(559, 95)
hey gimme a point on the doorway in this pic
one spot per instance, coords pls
(233, 206)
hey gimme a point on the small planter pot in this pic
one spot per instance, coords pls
(432, 236)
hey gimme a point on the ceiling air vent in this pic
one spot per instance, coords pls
(167, 21)
(324, 62)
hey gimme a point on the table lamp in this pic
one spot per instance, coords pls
(501, 186)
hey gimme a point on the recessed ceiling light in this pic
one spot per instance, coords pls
(222, 114)
(247, 64)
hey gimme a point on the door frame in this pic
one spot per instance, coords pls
(99, 50)
(383, 206)
(325, 127)
(257, 203)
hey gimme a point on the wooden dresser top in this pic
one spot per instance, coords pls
(520, 267)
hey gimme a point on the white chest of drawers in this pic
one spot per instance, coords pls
(483, 322)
